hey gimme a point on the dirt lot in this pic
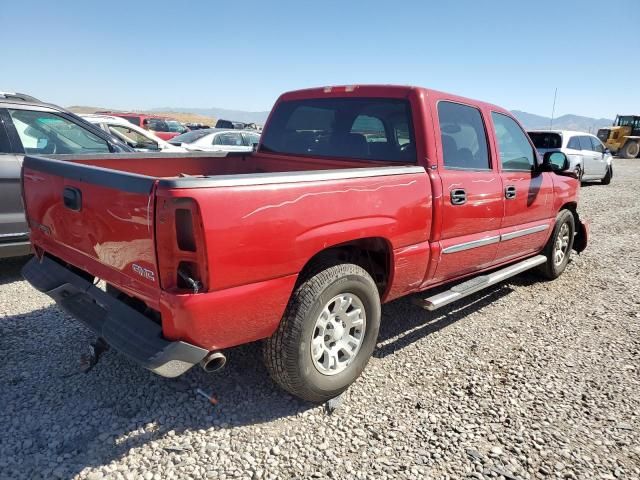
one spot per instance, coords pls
(527, 380)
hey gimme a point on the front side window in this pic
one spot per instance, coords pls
(133, 119)
(516, 153)
(596, 145)
(464, 138)
(48, 133)
(251, 139)
(359, 128)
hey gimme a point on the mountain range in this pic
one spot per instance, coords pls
(221, 113)
(563, 122)
(209, 115)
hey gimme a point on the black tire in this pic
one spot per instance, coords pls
(606, 180)
(630, 150)
(579, 173)
(287, 353)
(552, 269)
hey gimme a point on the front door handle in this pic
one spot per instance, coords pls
(510, 192)
(458, 196)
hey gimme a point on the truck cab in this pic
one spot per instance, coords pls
(623, 138)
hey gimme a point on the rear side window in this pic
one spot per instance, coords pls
(574, 143)
(229, 139)
(358, 128)
(464, 138)
(48, 133)
(516, 153)
(546, 140)
(585, 143)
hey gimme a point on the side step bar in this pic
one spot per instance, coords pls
(478, 283)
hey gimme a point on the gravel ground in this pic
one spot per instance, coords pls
(527, 380)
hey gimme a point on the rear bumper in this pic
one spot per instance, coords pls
(124, 328)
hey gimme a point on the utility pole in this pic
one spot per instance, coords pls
(553, 110)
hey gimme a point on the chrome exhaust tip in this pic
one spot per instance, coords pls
(213, 362)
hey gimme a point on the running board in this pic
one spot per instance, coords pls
(478, 283)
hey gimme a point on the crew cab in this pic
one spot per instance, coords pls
(355, 196)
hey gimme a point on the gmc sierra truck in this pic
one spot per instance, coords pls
(355, 196)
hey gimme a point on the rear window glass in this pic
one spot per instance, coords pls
(360, 128)
(546, 139)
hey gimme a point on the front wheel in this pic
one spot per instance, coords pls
(630, 150)
(606, 180)
(327, 334)
(558, 248)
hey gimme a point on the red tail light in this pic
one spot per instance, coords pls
(182, 256)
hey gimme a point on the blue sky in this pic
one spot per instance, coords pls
(242, 55)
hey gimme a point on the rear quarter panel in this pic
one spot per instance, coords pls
(259, 237)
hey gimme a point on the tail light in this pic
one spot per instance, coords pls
(182, 256)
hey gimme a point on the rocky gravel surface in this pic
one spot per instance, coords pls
(527, 380)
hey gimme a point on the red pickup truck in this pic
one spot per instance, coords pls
(355, 196)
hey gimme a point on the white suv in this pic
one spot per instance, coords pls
(589, 158)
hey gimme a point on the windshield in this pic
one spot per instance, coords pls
(191, 136)
(625, 121)
(361, 128)
(546, 139)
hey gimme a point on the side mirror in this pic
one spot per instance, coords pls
(555, 162)
(607, 151)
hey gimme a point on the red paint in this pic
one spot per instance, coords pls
(251, 242)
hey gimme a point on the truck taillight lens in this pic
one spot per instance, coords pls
(182, 258)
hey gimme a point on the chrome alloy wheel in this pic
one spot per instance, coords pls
(338, 334)
(562, 244)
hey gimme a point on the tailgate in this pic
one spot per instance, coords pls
(96, 219)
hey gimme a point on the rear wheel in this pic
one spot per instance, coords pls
(579, 173)
(606, 180)
(630, 150)
(327, 333)
(558, 248)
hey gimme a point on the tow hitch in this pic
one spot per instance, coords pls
(90, 359)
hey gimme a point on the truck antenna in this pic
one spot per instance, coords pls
(553, 110)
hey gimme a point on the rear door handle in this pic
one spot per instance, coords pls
(458, 196)
(510, 192)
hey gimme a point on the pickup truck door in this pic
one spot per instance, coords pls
(472, 203)
(528, 193)
(13, 226)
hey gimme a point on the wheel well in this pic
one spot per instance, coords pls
(372, 254)
(573, 208)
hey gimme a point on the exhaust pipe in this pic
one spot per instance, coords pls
(213, 362)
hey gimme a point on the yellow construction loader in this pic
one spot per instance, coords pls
(623, 138)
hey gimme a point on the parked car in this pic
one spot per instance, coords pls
(217, 140)
(164, 128)
(136, 137)
(30, 126)
(299, 243)
(197, 126)
(589, 158)
(228, 124)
